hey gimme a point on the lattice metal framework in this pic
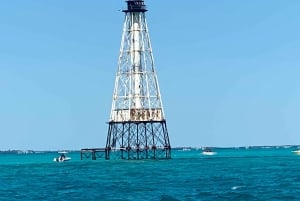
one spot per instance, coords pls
(137, 125)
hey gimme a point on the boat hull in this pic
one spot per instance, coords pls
(59, 160)
(208, 153)
(296, 152)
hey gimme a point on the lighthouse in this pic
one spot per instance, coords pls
(137, 126)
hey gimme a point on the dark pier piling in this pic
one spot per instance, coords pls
(93, 153)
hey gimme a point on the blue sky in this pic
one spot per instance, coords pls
(228, 71)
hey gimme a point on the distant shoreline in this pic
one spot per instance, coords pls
(16, 151)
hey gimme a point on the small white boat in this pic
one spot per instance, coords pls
(62, 157)
(208, 152)
(297, 152)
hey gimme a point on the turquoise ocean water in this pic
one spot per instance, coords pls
(231, 174)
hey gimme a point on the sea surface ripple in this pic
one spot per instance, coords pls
(231, 174)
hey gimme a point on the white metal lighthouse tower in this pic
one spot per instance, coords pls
(137, 124)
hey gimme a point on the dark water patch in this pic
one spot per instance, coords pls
(168, 198)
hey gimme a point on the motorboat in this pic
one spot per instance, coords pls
(208, 152)
(296, 152)
(62, 157)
